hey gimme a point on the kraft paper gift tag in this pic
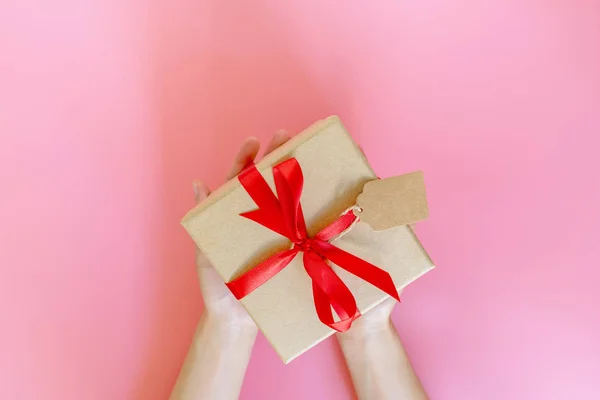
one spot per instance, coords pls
(391, 202)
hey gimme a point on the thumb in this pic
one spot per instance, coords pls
(201, 191)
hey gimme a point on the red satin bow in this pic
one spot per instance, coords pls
(283, 214)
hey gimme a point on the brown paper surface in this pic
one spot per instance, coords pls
(395, 201)
(335, 171)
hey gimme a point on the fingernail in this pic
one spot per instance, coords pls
(195, 188)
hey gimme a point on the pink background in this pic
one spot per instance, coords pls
(109, 108)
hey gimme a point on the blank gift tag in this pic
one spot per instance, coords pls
(395, 201)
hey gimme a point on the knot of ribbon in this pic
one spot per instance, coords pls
(283, 214)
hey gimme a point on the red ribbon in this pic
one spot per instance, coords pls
(283, 214)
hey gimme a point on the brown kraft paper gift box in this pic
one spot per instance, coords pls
(335, 171)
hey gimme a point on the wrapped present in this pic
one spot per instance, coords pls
(287, 238)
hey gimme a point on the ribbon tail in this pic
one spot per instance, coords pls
(269, 212)
(258, 188)
(330, 291)
(359, 267)
(251, 280)
(266, 219)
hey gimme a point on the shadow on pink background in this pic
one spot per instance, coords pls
(109, 109)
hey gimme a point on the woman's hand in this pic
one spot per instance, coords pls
(378, 364)
(220, 351)
(219, 303)
(373, 322)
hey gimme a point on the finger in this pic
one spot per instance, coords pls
(245, 156)
(201, 191)
(201, 259)
(277, 140)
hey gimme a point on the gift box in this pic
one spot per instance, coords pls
(325, 169)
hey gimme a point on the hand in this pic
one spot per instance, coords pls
(217, 359)
(219, 303)
(372, 323)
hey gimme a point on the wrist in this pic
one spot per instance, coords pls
(374, 323)
(365, 330)
(227, 327)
